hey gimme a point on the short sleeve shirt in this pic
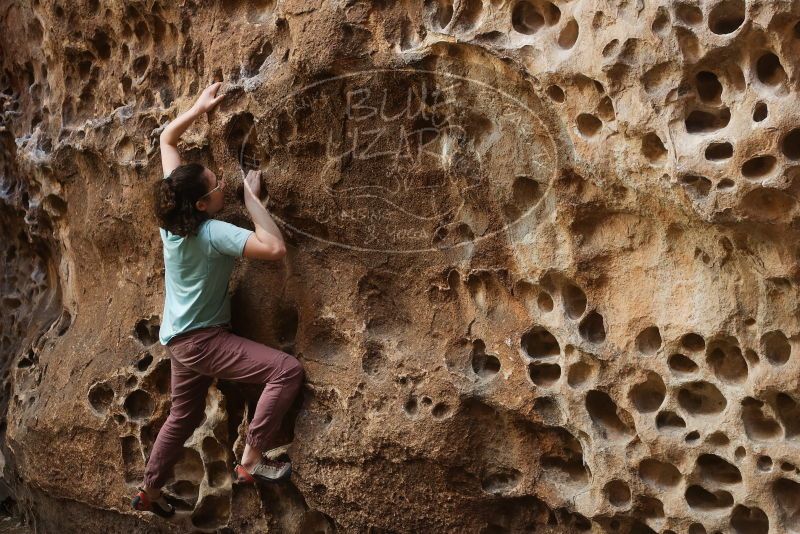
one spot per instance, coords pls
(197, 272)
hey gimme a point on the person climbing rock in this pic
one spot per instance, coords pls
(199, 253)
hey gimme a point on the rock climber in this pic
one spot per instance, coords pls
(199, 254)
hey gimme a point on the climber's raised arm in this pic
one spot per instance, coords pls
(170, 158)
(267, 241)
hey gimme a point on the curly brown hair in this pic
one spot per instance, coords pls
(174, 199)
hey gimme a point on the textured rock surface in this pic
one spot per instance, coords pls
(542, 270)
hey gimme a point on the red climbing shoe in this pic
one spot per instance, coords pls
(266, 471)
(159, 506)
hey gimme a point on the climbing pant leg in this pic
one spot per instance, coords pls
(188, 397)
(222, 354)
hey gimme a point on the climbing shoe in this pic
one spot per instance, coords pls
(159, 506)
(267, 470)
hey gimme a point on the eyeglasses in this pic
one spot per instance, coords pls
(220, 184)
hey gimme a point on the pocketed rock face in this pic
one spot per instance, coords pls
(542, 269)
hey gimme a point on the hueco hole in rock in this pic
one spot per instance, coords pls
(397, 266)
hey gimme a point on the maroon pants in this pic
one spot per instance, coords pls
(199, 356)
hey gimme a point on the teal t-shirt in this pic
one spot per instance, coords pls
(197, 272)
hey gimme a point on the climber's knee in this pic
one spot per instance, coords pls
(294, 371)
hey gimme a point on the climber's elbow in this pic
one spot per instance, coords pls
(254, 248)
(280, 251)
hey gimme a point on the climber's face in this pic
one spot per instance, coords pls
(214, 199)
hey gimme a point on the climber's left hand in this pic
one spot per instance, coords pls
(208, 99)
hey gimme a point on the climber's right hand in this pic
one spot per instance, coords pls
(252, 183)
(208, 99)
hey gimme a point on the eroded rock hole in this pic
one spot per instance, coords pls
(525, 18)
(661, 21)
(727, 363)
(708, 87)
(556, 94)
(588, 125)
(132, 459)
(578, 374)
(189, 467)
(790, 146)
(242, 141)
(159, 377)
(441, 410)
(528, 17)
(758, 167)
(139, 405)
(698, 186)
(681, 364)
(787, 497)
(718, 439)
(574, 301)
(746, 520)
(100, 397)
(373, 359)
(758, 425)
(648, 396)
(775, 347)
(769, 69)
(539, 343)
(547, 409)
(146, 331)
(789, 414)
(760, 112)
(692, 437)
(659, 475)
(256, 59)
(568, 35)
(217, 474)
(611, 48)
(699, 498)
(764, 463)
(725, 184)
(484, 365)
(605, 415)
(701, 398)
(525, 192)
(719, 151)
(545, 301)
(501, 480)
(213, 450)
(688, 13)
(470, 15)
(592, 329)
(544, 374)
(144, 362)
(649, 340)
(653, 148)
(712, 468)
(63, 323)
(411, 407)
(726, 16)
(617, 492)
(699, 121)
(440, 11)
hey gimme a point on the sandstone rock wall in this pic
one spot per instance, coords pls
(542, 268)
